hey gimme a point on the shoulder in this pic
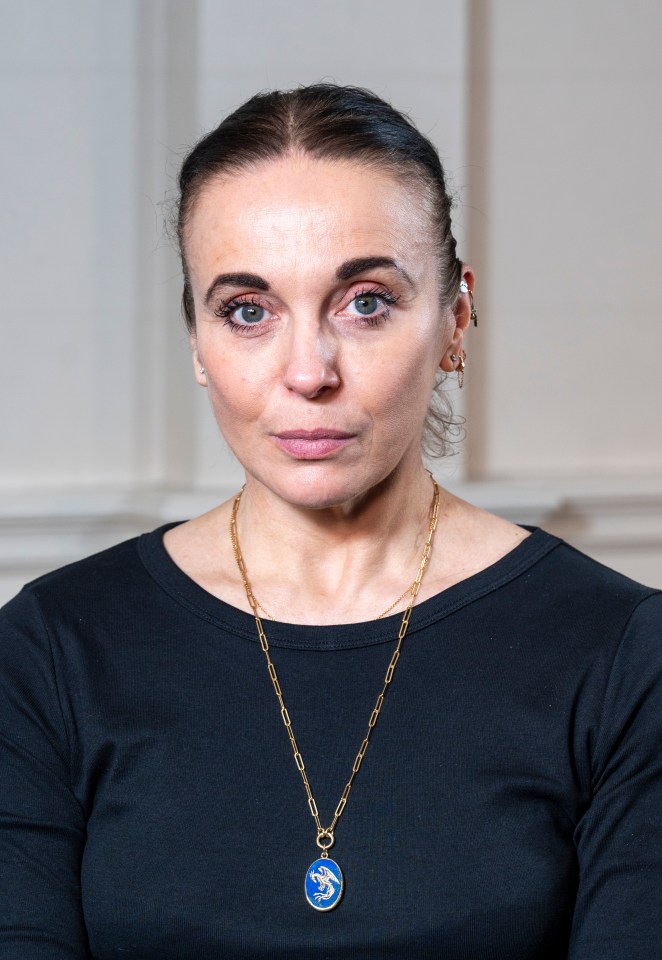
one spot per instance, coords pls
(89, 616)
(531, 580)
(577, 579)
(568, 573)
(113, 562)
(586, 613)
(116, 572)
(550, 585)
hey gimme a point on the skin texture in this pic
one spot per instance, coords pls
(337, 526)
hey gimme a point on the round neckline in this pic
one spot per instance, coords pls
(185, 591)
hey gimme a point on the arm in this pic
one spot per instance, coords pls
(42, 826)
(618, 914)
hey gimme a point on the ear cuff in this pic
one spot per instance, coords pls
(464, 288)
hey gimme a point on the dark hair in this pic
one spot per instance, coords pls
(328, 121)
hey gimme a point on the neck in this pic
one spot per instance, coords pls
(340, 563)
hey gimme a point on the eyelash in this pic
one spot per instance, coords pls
(228, 307)
(387, 297)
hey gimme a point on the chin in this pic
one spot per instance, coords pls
(320, 485)
(324, 484)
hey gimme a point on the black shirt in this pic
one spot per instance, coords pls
(509, 805)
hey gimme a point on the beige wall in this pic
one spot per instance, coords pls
(546, 117)
(568, 238)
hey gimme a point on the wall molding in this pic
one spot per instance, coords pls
(44, 529)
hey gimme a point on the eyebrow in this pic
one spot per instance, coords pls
(347, 270)
(235, 280)
(352, 268)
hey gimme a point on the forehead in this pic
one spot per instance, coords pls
(299, 209)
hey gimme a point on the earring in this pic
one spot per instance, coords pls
(461, 368)
(474, 314)
(202, 370)
(464, 288)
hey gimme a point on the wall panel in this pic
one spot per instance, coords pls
(568, 233)
(546, 120)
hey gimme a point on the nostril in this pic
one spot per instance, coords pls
(313, 387)
(312, 380)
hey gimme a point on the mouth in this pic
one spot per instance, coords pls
(312, 444)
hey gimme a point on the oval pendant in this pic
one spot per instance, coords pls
(324, 884)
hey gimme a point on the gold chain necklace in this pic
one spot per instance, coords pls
(324, 879)
(404, 593)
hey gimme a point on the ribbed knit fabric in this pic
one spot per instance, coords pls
(509, 806)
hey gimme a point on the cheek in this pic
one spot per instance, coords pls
(406, 376)
(236, 392)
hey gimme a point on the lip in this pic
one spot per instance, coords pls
(312, 444)
(321, 433)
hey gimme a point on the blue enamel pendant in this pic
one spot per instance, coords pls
(324, 884)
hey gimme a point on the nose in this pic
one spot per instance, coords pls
(311, 364)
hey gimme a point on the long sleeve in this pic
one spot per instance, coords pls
(618, 914)
(42, 826)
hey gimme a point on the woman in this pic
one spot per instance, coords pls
(344, 691)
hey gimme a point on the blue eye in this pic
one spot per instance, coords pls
(371, 305)
(367, 304)
(242, 314)
(249, 313)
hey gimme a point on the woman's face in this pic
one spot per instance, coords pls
(318, 323)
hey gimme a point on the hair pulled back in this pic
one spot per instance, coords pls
(328, 121)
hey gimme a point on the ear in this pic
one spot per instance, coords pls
(460, 320)
(198, 366)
